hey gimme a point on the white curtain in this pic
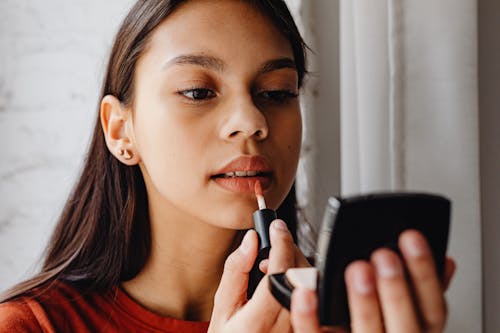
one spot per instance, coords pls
(409, 118)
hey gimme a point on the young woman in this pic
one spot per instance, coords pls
(199, 102)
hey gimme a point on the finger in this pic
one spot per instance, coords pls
(282, 254)
(304, 311)
(231, 293)
(362, 297)
(283, 322)
(426, 283)
(394, 294)
(262, 306)
(263, 265)
(449, 271)
(300, 259)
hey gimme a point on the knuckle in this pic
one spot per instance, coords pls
(396, 294)
(397, 298)
(285, 239)
(366, 316)
(231, 264)
(427, 277)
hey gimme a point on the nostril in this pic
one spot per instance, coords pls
(258, 134)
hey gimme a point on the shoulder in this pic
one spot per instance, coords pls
(18, 316)
(50, 308)
(65, 307)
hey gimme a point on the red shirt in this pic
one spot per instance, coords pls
(64, 309)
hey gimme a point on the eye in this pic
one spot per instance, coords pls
(277, 96)
(197, 94)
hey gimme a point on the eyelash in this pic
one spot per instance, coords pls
(209, 94)
(273, 96)
(276, 96)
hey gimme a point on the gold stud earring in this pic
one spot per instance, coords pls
(126, 154)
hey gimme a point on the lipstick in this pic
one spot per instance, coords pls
(262, 219)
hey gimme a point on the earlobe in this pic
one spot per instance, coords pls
(114, 120)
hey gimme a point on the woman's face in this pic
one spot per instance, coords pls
(216, 85)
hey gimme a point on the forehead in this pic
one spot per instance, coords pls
(231, 30)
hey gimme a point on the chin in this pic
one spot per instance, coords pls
(236, 217)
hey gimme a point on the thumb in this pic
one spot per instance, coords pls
(232, 291)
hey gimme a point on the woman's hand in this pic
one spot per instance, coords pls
(262, 313)
(383, 299)
(386, 297)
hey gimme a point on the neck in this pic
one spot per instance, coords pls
(184, 268)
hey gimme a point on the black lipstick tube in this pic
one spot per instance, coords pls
(262, 219)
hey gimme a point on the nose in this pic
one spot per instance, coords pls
(244, 121)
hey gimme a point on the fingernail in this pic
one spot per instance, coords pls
(305, 302)
(363, 283)
(279, 225)
(416, 246)
(388, 266)
(263, 265)
(246, 244)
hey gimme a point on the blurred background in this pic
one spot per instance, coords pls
(403, 95)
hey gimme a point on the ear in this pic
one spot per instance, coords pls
(116, 121)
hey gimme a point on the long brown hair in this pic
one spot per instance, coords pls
(103, 235)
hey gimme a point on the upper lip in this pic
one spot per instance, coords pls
(256, 163)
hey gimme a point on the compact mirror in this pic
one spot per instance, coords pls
(352, 228)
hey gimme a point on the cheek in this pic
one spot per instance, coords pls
(286, 138)
(169, 147)
(289, 131)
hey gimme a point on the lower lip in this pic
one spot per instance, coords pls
(243, 184)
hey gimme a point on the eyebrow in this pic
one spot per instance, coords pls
(218, 65)
(276, 64)
(200, 60)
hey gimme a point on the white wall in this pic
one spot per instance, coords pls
(52, 54)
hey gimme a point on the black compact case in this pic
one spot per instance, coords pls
(353, 228)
